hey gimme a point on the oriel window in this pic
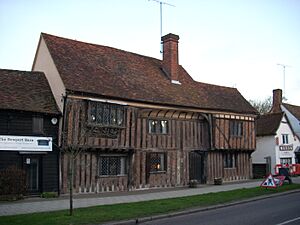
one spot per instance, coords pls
(106, 115)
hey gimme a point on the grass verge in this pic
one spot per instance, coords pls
(101, 214)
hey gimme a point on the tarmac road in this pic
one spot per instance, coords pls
(278, 210)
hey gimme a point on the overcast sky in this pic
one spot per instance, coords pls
(235, 43)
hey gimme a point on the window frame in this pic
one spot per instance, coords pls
(230, 160)
(162, 156)
(102, 114)
(285, 138)
(286, 161)
(38, 125)
(236, 128)
(123, 160)
(158, 129)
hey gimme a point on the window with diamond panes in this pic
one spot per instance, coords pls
(106, 115)
(112, 165)
(157, 162)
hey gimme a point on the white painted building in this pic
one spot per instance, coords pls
(277, 141)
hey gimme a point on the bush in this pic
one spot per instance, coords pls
(12, 183)
(49, 195)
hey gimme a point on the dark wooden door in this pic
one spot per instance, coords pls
(196, 163)
(33, 174)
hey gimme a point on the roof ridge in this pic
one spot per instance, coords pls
(23, 71)
(99, 45)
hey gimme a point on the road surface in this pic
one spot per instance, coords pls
(279, 210)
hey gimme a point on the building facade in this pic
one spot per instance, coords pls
(277, 143)
(29, 129)
(140, 122)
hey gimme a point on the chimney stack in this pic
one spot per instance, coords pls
(170, 56)
(277, 101)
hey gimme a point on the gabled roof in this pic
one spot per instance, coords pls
(294, 109)
(26, 91)
(109, 72)
(268, 124)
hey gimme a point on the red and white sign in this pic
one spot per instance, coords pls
(269, 182)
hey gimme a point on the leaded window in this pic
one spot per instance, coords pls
(236, 128)
(106, 115)
(157, 162)
(158, 126)
(112, 165)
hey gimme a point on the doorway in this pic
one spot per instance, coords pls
(33, 174)
(196, 166)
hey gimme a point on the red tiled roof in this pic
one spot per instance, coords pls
(26, 91)
(294, 109)
(105, 71)
(268, 124)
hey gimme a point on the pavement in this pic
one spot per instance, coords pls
(33, 205)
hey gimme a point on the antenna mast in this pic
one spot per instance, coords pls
(283, 67)
(160, 5)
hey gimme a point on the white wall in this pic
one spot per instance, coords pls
(285, 128)
(265, 147)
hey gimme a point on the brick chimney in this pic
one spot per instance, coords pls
(277, 101)
(170, 56)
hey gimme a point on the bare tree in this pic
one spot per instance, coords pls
(262, 106)
(73, 150)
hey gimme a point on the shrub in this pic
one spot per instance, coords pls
(12, 183)
(49, 195)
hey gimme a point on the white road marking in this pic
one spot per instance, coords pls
(289, 221)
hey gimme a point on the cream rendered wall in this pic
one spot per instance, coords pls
(44, 62)
(265, 147)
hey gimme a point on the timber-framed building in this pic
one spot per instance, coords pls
(143, 122)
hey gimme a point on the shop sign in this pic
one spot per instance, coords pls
(286, 148)
(25, 143)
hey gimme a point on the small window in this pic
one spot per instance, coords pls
(157, 162)
(236, 128)
(229, 160)
(37, 125)
(112, 165)
(285, 138)
(158, 127)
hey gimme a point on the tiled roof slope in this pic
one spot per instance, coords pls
(26, 91)
(268, 124)
(294, 109)
(115, 73)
